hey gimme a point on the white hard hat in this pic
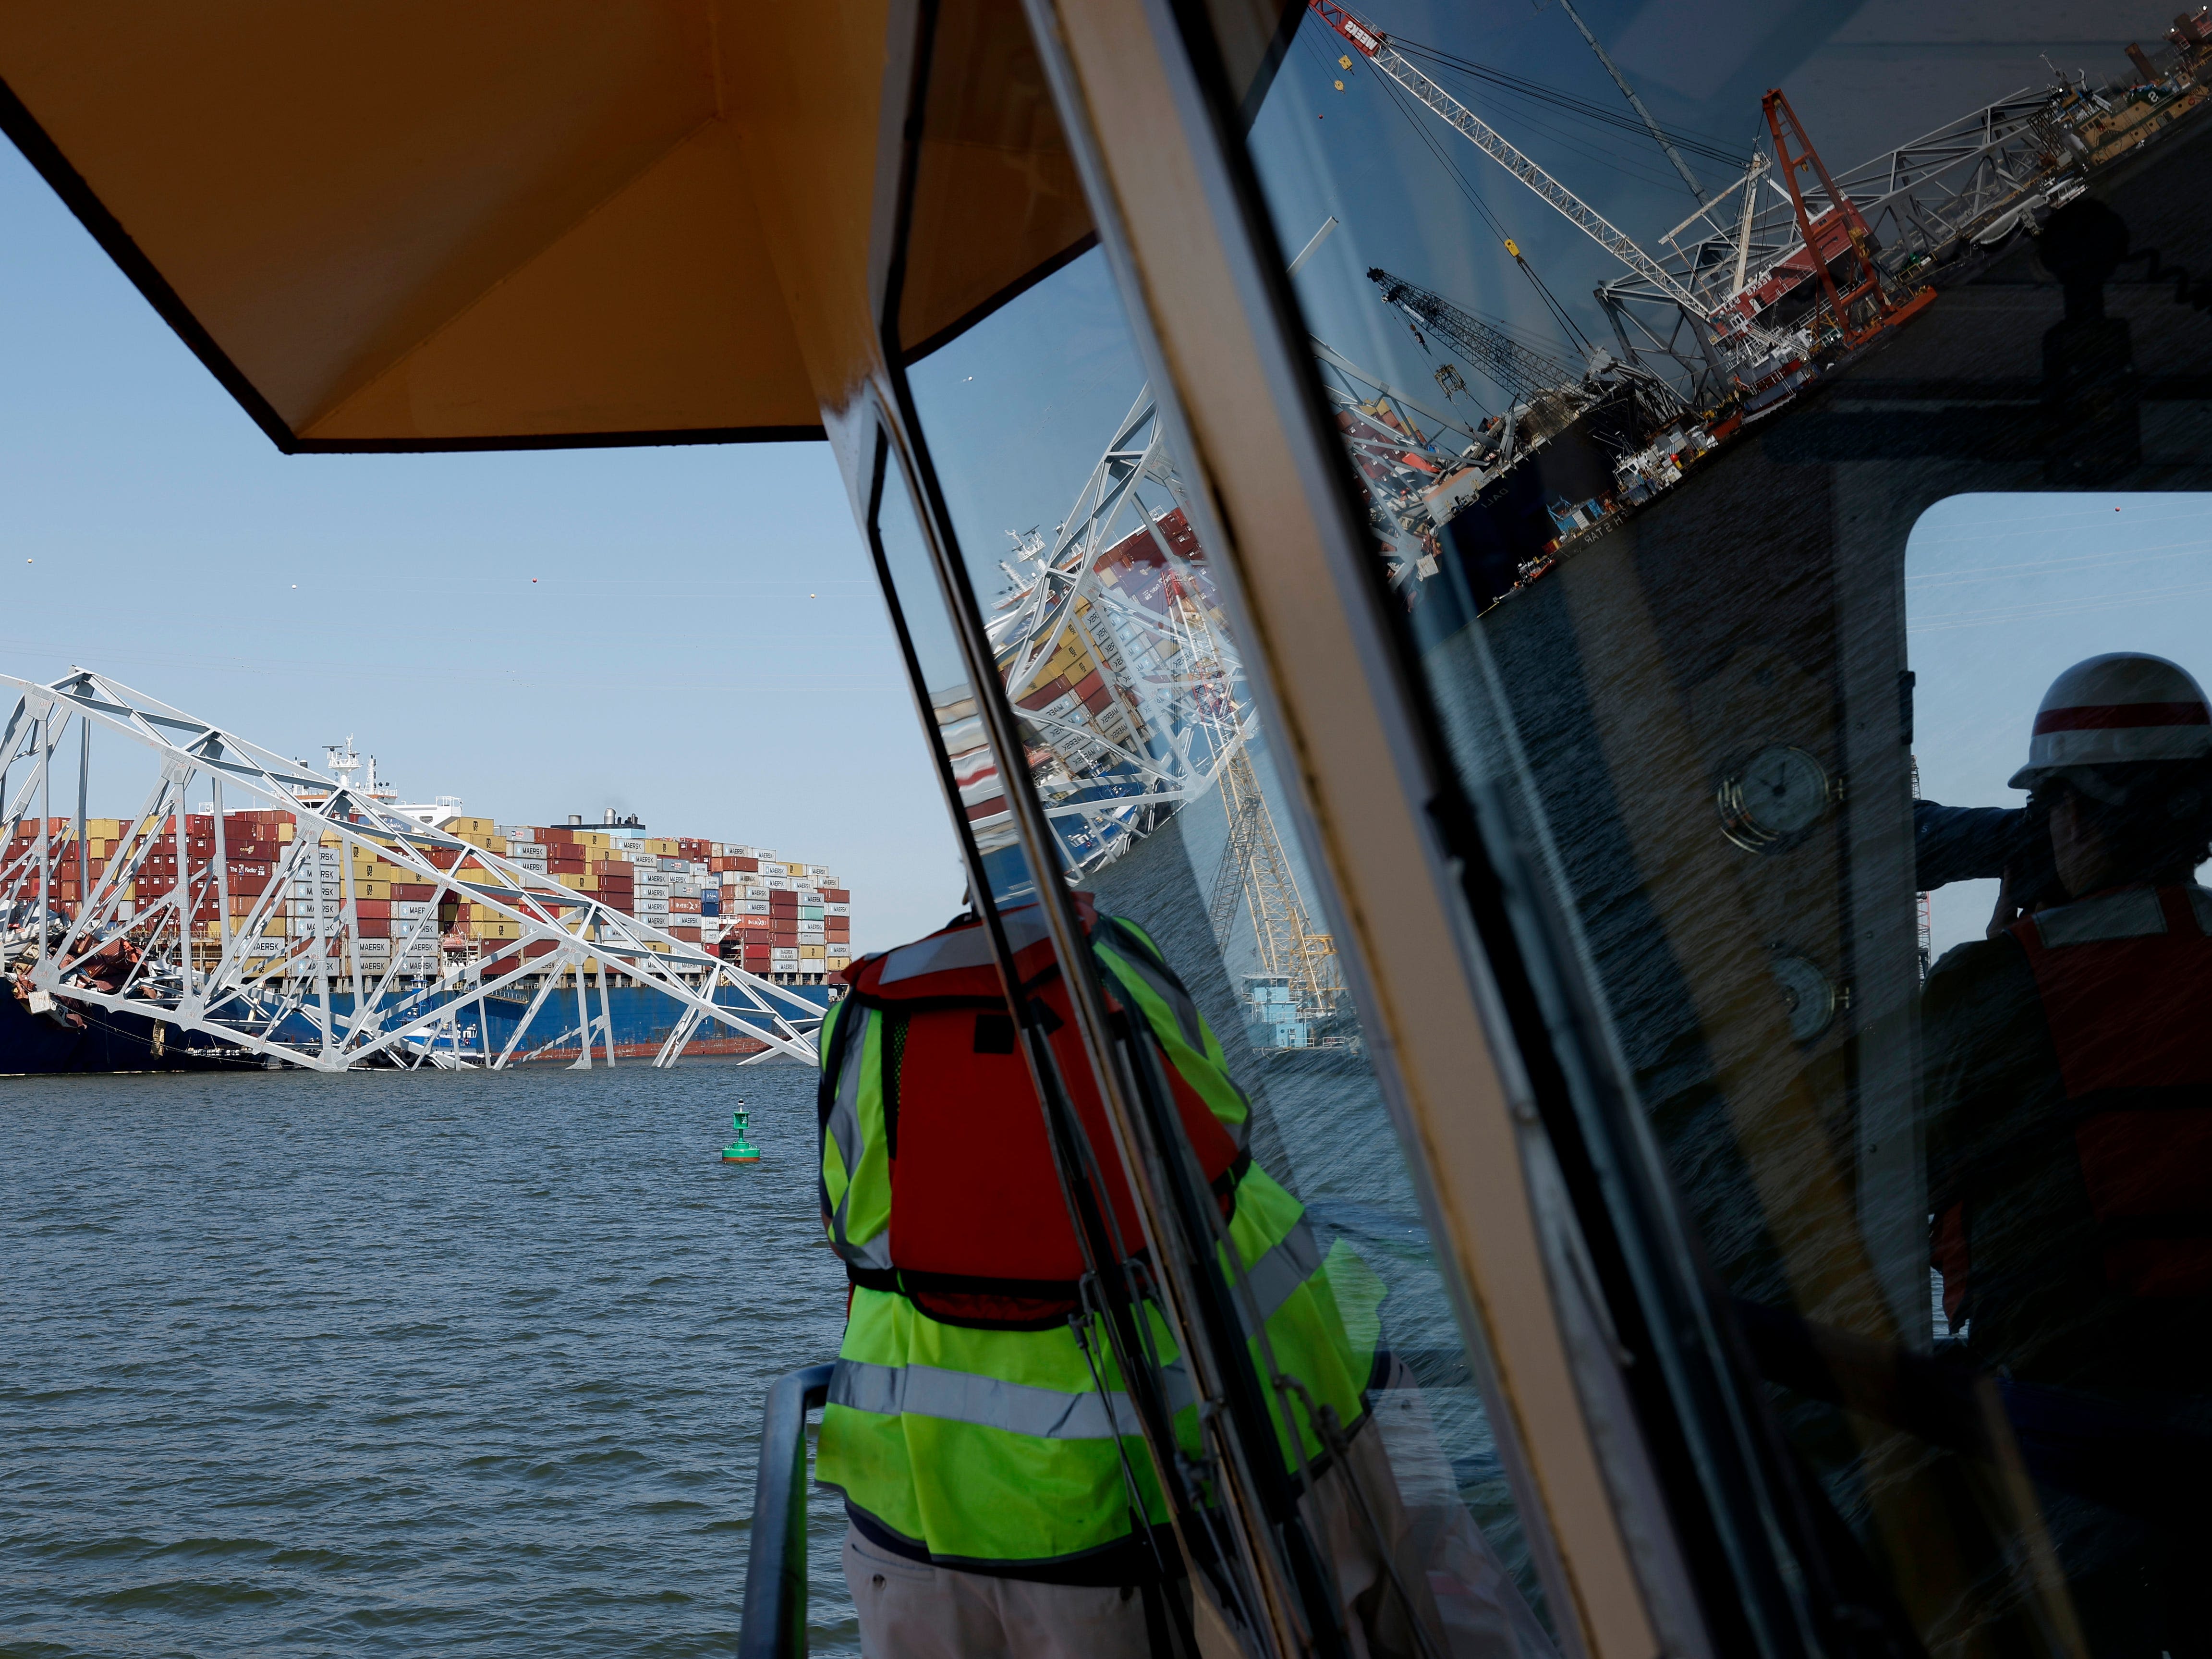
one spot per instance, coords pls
(2114, 710)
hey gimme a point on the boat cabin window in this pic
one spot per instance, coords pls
(1068, 543)
(1736, 414)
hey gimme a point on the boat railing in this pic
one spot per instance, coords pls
(774, 1624)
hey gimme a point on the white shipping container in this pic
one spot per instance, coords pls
(836, 909)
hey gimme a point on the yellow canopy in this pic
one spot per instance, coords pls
(498, 225)
(416, 226)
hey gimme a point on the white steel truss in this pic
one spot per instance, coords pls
(1169, 706)
(282, 974)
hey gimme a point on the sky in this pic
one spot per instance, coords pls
(691, 634)
(2002, 592)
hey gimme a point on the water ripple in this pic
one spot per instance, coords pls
(399, 1363)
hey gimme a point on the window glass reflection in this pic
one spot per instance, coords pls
(1146, 749)
(928, 630)
(1648, 344)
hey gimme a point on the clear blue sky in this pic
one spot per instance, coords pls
(2004, 592)
(703, 642)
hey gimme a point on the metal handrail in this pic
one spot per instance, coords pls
(774, 1623)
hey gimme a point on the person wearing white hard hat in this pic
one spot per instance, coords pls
(2068, 1082)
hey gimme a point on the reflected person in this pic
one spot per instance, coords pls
(2068, 1066)
(1000, 1497)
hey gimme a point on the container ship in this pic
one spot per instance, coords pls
(337, 925)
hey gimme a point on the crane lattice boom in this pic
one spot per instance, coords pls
(1253, 866)
(1524, 373)
(1378, 51)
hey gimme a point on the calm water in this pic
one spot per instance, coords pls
(296, 1365)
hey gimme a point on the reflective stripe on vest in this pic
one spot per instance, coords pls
(1192, 1051)
(856, 1187)
(1318, 1313)
(997, 1418)
(982, 1446)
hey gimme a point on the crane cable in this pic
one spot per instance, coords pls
(1576, 338)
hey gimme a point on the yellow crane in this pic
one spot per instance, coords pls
(1254, 868)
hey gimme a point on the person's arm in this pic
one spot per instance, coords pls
(1963, 843)
(1980, 1027)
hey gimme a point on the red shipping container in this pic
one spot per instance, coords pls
(412, 891)
(836, 896)
(683, 906)
(372, 928)
(740, 864)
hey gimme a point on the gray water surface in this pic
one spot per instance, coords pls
(399, 1362)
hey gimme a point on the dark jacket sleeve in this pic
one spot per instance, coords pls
(1986, 1063)
(1963, 843)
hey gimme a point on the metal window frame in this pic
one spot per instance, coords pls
(1275, 1567)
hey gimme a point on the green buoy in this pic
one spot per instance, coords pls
(744, 1151)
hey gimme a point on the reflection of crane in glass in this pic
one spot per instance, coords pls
(1255, 871)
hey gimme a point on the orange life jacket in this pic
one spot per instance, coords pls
(980, 1225)
(2124, 987)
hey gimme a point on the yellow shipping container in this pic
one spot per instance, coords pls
(371, 889)
(567, 879)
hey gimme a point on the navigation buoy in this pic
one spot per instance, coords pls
(744, 1151)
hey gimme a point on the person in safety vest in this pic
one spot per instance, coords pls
(1000, 1496)
(2069, 1080)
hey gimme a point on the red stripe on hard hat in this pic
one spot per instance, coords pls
(2112, 717)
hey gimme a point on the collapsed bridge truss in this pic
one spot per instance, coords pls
(274, 955)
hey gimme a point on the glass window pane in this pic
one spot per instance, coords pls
(928, 632)
(1066, 509)
(1144, 745)
(1648, 344)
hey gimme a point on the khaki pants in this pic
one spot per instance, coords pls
(909, 1610)
(1461, 1597)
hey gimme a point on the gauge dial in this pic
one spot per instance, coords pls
(1809, 994)
(1778, 794)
